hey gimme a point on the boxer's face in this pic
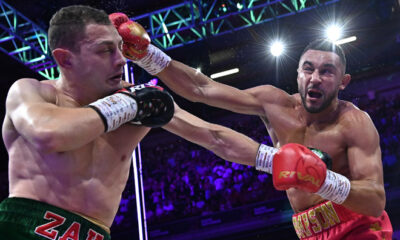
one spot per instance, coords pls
(319, 79)
(100, 61)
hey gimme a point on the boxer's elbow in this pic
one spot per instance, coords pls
(381, 202)
(39, 135)
(39, 129)
(197, 94)
(376, 202)
(376, 211)
(229, 147)
(46, 140)
(219, 145)
(187, 84)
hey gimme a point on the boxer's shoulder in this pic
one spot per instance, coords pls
(355, 122)
(48, 91)
(25, 83)
(22, 89)
(350, 114)
(28, 88)
(33, 84)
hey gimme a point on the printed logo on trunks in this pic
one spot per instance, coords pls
(48, 231)
(315, 220)
(375, 227)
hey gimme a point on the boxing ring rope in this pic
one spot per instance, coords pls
(137, 171)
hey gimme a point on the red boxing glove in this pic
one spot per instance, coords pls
(117, 19)
(295, 165)
(136, 40)
(137, 47)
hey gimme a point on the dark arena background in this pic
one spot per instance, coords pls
(188, 192)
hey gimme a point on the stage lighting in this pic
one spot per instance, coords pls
(225, 73)
(346, 40)
(277, 48)
(333, 33)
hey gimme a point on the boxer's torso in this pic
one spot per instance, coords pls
(329, 135)
(88, 180)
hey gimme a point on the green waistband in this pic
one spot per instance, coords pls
(36, 218)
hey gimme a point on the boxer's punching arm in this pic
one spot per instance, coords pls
(48, 127)
(224, 142)
(197, 87)
(181, 78)
(367, 193)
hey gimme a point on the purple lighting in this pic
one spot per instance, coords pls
(153, 81)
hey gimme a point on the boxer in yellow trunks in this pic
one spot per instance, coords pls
(331, 221)
(314, 117)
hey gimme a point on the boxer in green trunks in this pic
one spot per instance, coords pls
(22, 219)
(70, 140)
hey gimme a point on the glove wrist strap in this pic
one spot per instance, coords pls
(336, 187)
(264, 158)
(115, 110)
(155, 60)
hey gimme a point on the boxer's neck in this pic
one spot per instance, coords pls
(76, 91)
(327, 115)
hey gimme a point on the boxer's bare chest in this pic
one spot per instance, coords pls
(93, 172)
(328, 136)
(110, 149)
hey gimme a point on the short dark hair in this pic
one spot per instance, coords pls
(327, 46)
(69, 23)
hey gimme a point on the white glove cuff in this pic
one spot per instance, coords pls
(115, 110)
(336, 187)
(264, 158)
(155, 60)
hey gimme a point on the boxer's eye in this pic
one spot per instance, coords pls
(108, 50)
(308, 70)
(326, 72)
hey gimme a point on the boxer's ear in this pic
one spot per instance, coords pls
(345, 81)
(63, 57)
